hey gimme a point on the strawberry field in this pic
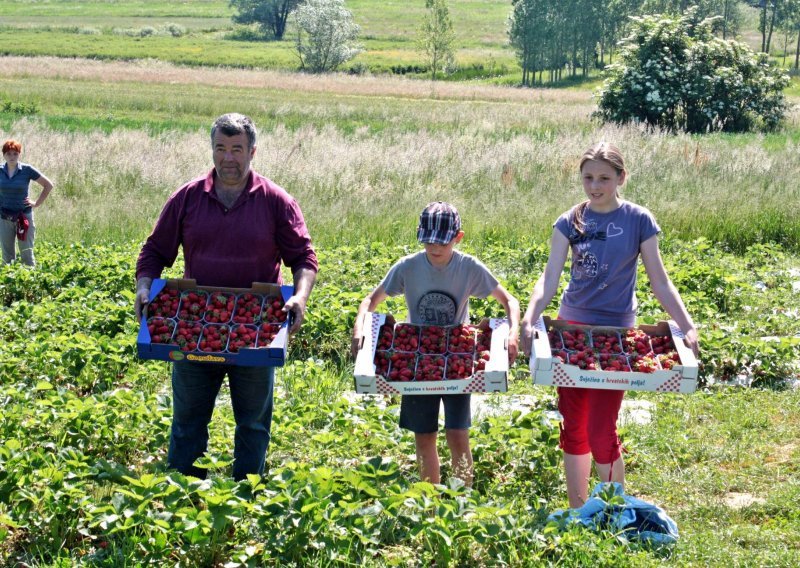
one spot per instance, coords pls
(84, 427)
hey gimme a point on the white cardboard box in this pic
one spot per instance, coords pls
(549, 370)
(493, 379)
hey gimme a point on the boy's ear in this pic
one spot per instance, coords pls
(458, 237)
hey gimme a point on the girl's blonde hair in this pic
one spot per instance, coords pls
(601, 152)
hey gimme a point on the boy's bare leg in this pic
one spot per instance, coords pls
(577, 469)
(458, 442)
(428, 457)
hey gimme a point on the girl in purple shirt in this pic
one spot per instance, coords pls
(606, 235)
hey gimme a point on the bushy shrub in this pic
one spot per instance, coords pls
(673, 73)
(326, 34)
(175, 30)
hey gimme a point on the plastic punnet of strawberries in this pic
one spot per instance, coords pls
(214, 338)
(636, 342)
(606, 341)
(406, 337)
(382, 361)
(614, 363)
(644, 363)
(459, 366)
(385, 335)
(248, 308)
(220, 307)
(160, 329)
(266, 333)
(187, 336)
(430, 367)
(554, 337)
(165, 304)
(462, 339)
(402, 366)
(241, 337)
(433, 340)
(193, 305)
(273, 310)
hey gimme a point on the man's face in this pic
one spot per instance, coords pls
(232, 157)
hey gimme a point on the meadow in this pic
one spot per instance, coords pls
(84, 424)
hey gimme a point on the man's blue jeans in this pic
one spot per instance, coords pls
(194, 391)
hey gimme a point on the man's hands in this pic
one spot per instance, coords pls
(296, 305)
(142, 296)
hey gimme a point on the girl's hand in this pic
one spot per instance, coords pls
(355, 345)
(513, 347)
(692, 342)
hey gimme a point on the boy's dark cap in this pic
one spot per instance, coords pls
(439, 223)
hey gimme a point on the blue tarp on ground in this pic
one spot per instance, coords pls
(608, 507)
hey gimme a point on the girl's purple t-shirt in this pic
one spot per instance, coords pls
(602, 284)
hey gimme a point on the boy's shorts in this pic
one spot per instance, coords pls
(420, 413)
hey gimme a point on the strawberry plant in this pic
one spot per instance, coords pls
(193, 305)
(460, 366)
(430, 367)
(402, 367)
(406, 337)
(242, 336)
(461, 339)
(248, 308)
(266, 333)
(214, 338)
(160, 329)
(187, 336)
(165, 304)
(272, 312)
(433, 340)
(220, 307)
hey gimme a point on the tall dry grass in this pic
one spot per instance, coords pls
(372, 187)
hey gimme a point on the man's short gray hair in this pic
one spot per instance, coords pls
(234, 123)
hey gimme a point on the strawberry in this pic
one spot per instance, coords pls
(644, 363)
(481, 358)
(406, 337)
(248, 308)
(266, 333)
(433, 340)
(193, 305)
(220, 307)
(461, 339)
(214, 338)
(560, 354)
(636, 341)
(429, 368)
(385, 335)
(668, 359)
(242, 336)
(555, 339)
(614, 363)
(606, 341)
(459, 366)
(160, 329)
(662, 344)
(165, 304)
(272, 312)
(188, 334)
(402, 366)
(484, 341)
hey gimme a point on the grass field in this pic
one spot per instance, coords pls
(84, 424)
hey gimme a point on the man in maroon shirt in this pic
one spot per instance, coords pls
(235, 227)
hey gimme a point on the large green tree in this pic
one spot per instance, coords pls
(270, 15)
(326, 35)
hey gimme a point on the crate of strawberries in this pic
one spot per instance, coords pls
(184, 321)
(405, 358)
(646, 358)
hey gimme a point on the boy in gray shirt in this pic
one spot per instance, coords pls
(437, 283)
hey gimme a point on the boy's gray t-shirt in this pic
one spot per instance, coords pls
(439, 296)
(602, 284)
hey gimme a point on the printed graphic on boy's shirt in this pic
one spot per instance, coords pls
(437, 308)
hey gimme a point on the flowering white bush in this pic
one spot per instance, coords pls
(325, 35)
(672, 72)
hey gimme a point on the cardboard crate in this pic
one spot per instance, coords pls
(547, 369)
(493, 379)
(272, 356)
